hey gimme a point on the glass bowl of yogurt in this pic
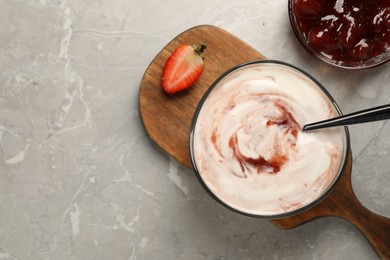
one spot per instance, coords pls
(247, 147)
(350, 34)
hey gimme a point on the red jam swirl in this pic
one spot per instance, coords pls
(287, 125)
(348, 31)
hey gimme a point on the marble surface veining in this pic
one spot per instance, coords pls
(79, 178)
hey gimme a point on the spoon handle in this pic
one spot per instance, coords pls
(363, 116)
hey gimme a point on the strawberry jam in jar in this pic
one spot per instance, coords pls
(344, 33)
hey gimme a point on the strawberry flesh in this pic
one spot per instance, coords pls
(182, 68)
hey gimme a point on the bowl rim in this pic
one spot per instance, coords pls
(299, 36)
(342, 170)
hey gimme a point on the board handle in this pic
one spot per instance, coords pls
(343, 203)
(374, 227)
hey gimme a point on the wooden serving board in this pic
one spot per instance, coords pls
(167, 120)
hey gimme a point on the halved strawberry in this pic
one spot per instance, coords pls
(183, 68)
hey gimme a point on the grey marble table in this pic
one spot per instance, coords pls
(79, 178)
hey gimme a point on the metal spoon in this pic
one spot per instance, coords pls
(363, 116)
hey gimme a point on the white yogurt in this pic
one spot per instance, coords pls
(248, 145)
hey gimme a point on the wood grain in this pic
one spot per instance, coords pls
(343, 203)
(167, 120)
